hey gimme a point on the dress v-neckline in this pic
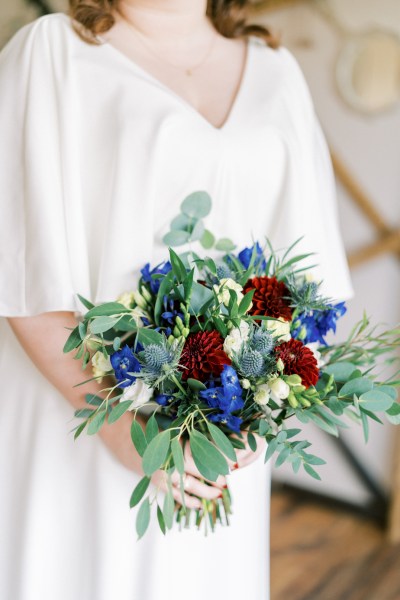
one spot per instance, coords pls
(236, 100)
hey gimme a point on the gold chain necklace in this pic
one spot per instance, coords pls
(188, 70)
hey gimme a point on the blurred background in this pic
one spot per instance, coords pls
(341, 532)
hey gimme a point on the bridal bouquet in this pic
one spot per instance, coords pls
(225, 351)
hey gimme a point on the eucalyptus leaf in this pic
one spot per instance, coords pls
(197, 232)
(160, 518)
(308, 469)
(139, 491)
(147, 336)
(93, 400)
(390, 391)
(201, 295)
(393, 414)
(102, 324)
(168, 509)
(222, 441)
(176, 238)
(375, 400)
(138, 438)
(177, 455)
(356, 386)
(197, 205)
(207, 239)
(341, 370)
(156, 452)
(86, 303)
(96, 423)
(205, 453)
(282, 456)
(151, 428)
(107, 309)
(272, 446)
(182, 223)
(118, 410)
(225, 245)
(73, 341)
(143, 518)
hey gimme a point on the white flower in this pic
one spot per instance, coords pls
(280, 365)
(139, 392)
(237, 336)
(139, 299)
(279, 389)
(137, 313)
(279, 328)
(245, 383)
(317, 355)
(126, 299)
(262, 394)
(222, 290)
(100, 365)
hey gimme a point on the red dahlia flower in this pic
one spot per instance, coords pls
(269, 298)
(203, 355)
(298, 360)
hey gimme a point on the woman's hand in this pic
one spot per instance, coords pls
(195, 486)
(246, 456)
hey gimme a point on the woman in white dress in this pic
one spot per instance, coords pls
(99, 144)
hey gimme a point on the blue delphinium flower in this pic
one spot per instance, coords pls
(147, 274)
(259, 261)
(226, 398)
(162, 399)
(169, 315)
(314, 326)
(124, 362)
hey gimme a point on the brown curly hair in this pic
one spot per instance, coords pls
(228, 16)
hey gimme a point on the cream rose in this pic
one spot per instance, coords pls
(279, 389)
(100, 365)
(139, 392)
(222, 290)
(279, 329)
(262, 394)
(237, 336)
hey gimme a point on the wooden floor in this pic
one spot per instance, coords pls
(322, 554)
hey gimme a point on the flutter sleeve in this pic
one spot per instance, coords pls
(307, 206)
(42, 247)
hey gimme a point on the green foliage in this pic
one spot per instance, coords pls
(139, 491)
(143, 518)
(96, 423)
(138, 438)
(207, 458)
(108, 309)
(151, 428)
(222, 441)
(177, 455)
(74, 340)
(118, 410)
(156, 453)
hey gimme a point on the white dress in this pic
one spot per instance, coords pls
(95, 157)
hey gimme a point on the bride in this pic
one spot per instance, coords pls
(109, 117)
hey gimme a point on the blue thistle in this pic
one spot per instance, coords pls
(223, 272)
(251, 362)
(155, 357)
(262, 341)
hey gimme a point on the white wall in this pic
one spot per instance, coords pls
(370, 146)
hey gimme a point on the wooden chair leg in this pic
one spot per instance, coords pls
(393, 531)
